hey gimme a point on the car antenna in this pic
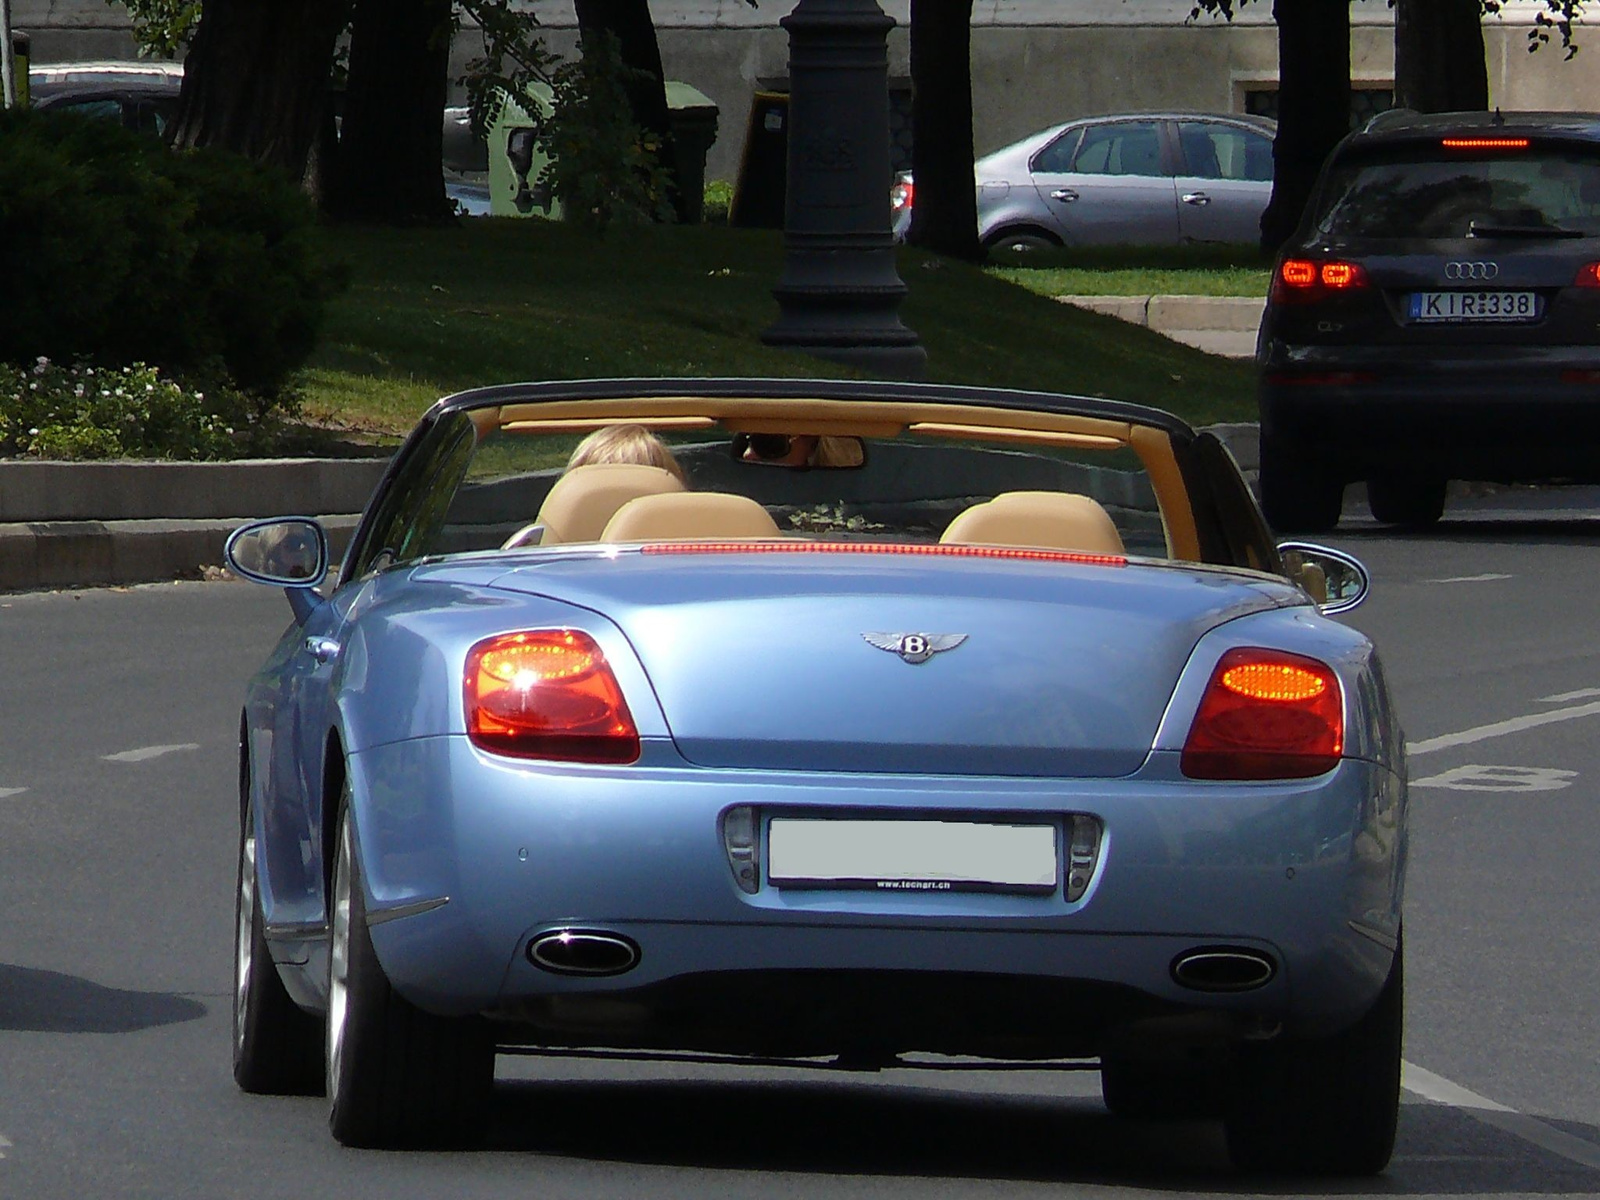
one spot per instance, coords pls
(1499, 117)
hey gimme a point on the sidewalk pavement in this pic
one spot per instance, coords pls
(95, 524)
(1224, 325)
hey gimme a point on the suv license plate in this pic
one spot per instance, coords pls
(1473, 306)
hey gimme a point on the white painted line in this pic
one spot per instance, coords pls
(1475, 777)
(4, 792)
(1530, 1129)
(1569, 697)
(1469, 579)
(5, 1144)
(1500, 729)
(148, 752)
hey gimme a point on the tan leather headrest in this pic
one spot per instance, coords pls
(690, 515)
(585, 498)
(1046, 520)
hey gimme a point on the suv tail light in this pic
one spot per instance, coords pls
(547, 693)
(1305, 280)
(1588, 276)
(1266, 714)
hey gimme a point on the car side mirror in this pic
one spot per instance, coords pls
(1336, 581)
(289, 552)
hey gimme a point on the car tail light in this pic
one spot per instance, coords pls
(1266, 714)
(1484, 143)
(901, 195)
(1588, 276)
(1304, 280)
(547, 693)
(1583, 375)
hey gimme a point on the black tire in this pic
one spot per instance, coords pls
(277, 1047)
(397, 1077)
(1159, 1091)
(1406, 501)
(1324, 1106)
(1297, 494)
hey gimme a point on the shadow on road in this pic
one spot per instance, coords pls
(829, 1128)
(37, 1001)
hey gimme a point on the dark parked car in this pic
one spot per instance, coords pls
(142, 95)
(1436, 317)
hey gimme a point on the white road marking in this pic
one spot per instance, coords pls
(1475, 777)
(5, 1144)
(148, 752)
(1530, 1129)
(1489, 578)
(1500, 729)
(1569, 697)
(4, 792)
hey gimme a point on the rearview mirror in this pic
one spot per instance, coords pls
(799, 451)
(1335, 580)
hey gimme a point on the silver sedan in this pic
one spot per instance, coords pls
(1149, 178)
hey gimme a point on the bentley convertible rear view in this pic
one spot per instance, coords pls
(856, 722)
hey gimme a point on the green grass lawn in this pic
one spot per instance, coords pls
(1141, 271)
(433, 311)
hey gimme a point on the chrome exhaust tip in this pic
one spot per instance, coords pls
(1223, 969)
(583, 952)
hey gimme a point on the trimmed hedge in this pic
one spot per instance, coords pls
(115, 249)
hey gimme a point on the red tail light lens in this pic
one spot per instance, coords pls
(547, 693)
(1303, 280)
(1588, 276)
(902, 195)
(1266, 714)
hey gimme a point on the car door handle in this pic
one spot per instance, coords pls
(324, 650)
(1065, 195)
(1198, 199)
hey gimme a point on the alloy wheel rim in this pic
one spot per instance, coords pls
(243, 948)
(339, 963)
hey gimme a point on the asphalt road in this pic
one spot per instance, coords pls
(118, 718)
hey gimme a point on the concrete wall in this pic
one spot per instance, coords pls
(1035, 62)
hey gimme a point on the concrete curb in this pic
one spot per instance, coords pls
(44, 549)
(1221, 325)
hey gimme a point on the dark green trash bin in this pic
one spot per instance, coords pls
(693, 115)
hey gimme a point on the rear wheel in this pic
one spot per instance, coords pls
(1298, 495)
(277, 1047)
(396, 1076)
(1022, 242)
(1398, 500)
(1322, 1106)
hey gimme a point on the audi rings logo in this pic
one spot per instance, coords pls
(1471, 270)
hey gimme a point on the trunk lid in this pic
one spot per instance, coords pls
(767, 662)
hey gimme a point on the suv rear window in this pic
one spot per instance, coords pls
(1433, 193)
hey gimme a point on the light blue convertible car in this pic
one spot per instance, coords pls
(878, 720)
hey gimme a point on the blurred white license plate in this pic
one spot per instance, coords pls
(1473, 306)
(911, 856)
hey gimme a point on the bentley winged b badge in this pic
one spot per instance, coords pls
(915, 647)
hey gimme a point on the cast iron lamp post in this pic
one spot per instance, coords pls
(839, 295)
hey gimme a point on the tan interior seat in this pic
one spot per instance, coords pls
(586, 497)
(1045, 520)
(690, 515)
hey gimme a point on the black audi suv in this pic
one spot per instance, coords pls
(1436, 317)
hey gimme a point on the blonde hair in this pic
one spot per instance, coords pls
(625, 444)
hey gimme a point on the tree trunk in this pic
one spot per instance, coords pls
(1439, 62)
(391, 139)
(629, 21)
(944, 212)
(255, 79)
(1313, 106)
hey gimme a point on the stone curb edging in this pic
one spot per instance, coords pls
(39, 551)
(1167, 314)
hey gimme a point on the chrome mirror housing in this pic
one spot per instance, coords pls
(1335, 580)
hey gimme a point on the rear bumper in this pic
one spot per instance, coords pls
(1307, 874)
(1459, 419)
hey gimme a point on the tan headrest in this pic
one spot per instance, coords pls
(585, 498)
(1046, 520)
(690, 515)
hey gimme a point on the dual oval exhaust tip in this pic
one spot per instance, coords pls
(583, 952)
(1223, 969)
